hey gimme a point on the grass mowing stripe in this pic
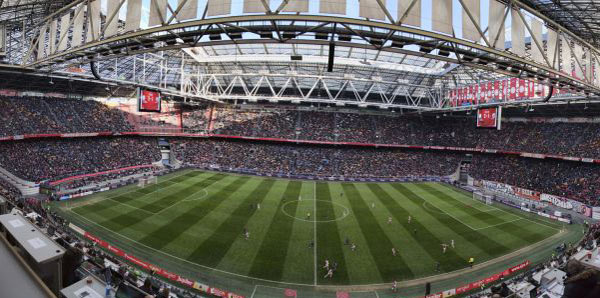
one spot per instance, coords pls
(274, 248)
(479, 239)
(170, 231)
(428, 241)
(502, 208)
(212, 250)
(122, 198)
(329, 243)
(167, 201)
(488, 219)
(132, 195)
(378, 242)
(130, 218)
(527, 236)
(91, 208)
(155, 187)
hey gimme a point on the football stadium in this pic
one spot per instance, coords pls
(299, 148)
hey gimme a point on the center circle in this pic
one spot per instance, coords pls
(304, 207)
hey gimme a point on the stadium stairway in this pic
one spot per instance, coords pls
(27, 188)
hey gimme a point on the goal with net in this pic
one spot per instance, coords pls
(482, 197)
(144, 181)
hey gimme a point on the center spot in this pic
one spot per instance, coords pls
(304, 207)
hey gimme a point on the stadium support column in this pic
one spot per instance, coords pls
(331, 56)
(499, 118)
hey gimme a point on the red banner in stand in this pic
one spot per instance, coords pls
(522, 88)
(531, 89)
(513, 89)
(98, 174)
(477, 284)
(162, 272)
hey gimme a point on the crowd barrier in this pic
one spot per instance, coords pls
(533, 195)
(159, 271)
(478, 284)
(328, 178)
(98, 174)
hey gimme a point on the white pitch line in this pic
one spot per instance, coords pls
(130, 206)
(315, 228)
(273, 281)
(254, 291)
(136, 189)
(521, 217)
(470, 227)
(186, 199)
(515, 214)
(186, 261)
(111, 198)
(499, 224)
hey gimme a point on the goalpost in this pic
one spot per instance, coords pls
(487, 199)
(144, 181)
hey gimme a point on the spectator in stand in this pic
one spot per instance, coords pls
(573, 180)
(9, 191)
(549, 138)
(37, 160)
(314, 160)
(41, 115)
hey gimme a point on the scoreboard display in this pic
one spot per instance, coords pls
(149, 101)
(488, 118)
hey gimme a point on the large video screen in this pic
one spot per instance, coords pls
(487, 118)
(149, 101)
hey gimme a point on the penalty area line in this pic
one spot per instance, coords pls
(462, 222)
(499, 224)
(184, 260)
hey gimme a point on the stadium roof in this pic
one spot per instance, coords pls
(247, 55)
(581, 17)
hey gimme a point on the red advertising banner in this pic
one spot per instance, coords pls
(530, 89)
(483, 93)
(162, 272)
(522, 85)
(497, 92)
(487, 117)
(149, 101)
(98, 174)
(526, 193)
(478, 284)
(513, 89)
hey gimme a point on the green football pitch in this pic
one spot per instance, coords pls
(198, 218)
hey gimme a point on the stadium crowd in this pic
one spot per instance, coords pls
(42, 115)
(9, 191)
(314, 160)
(117, 175)
(37, 160)
(574, 180)
(562, 178)
(558, 138)
(86, 254)
(39, 115)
